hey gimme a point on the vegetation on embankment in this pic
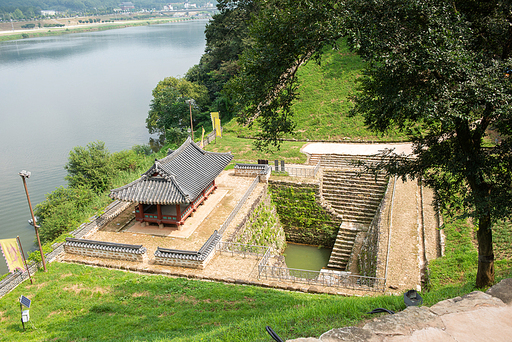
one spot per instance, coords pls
(303, 219)
(323, 110)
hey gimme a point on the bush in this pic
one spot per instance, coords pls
(90, 167)
(142, 149)
(62, 211)
(125, 160)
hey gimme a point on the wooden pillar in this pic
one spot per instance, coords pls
(159, 216)
(141, 213)
(178, 212)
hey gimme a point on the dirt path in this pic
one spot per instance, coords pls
(413, 239)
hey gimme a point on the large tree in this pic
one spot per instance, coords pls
(438, 70)
(170, 109)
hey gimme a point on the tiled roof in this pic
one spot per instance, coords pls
(177, 178)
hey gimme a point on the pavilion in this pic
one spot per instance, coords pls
(173, 188)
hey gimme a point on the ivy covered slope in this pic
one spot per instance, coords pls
(303, 219)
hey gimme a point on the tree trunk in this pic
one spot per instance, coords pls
(485, 273)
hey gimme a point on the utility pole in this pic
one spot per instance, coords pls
(25, 174)
(191, 124)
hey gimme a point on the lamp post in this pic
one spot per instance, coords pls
(191, 124)
(25, 174)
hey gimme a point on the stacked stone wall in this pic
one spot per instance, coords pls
(97, 253)
(369, 261)
(190, 263)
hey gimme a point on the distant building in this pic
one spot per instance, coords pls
(187, 5)
(48, 12)
(209, 4)
(126, 6)
(168, 7)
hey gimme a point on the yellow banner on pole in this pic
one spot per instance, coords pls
(12, 254)
(214, 116)
(218, 127)
(202, 138)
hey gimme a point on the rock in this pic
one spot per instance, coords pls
(349, 334)
(307, 339)
(404, 322)
(314, 289)
(467, 302)
(502, 290)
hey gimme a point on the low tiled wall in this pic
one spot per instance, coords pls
(191, 259)
(108, 250)
(253, 170)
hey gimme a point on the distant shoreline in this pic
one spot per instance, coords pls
(6, 35)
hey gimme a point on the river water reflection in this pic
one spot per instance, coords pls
(65, 91)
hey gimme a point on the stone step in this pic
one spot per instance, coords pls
(326, 183)
(369, 199)
(353, 185)
(356, 201)
(354, 192)
(344, 241)
(363, 210)
(354, 204)
(353, 176)
(354, 179)
(352, 172)
(357, 218)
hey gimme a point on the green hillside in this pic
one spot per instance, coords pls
(322, 111)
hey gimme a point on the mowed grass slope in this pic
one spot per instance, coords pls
(323, 108)
(81, 303)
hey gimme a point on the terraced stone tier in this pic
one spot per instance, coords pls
(356, 197)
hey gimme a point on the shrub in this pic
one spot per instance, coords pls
(90, 167)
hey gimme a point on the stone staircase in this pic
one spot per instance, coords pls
(355, 197)
(341, 160)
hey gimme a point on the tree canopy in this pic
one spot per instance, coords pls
(438, 70)
(169, 109)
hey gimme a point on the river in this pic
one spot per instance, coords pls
(65, 91)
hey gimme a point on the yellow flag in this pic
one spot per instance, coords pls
(214, 116)
(218, 128)
(12, 254)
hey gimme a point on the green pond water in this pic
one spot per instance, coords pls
(306, 257)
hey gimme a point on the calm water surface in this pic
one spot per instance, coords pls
(305, 257)
(60, 92)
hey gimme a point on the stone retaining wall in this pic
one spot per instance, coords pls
(370, 261)
(109, 250)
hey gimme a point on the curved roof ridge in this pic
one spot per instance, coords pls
(173, 179)
(176, 152)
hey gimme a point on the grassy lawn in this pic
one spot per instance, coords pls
(322, 111)
(244, 151)
(81, 303)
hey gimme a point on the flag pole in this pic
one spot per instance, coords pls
(23, 256)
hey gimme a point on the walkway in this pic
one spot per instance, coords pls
(355, 148)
